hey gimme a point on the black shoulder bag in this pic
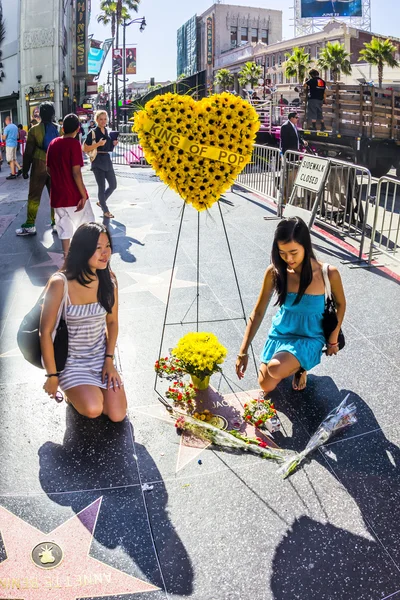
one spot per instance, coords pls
(329, 319)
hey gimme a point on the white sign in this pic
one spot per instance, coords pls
(312, 173)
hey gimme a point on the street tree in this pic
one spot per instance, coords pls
(297, 64)
(335, 59)
(379, 53)
(250, 73)
(224, 78)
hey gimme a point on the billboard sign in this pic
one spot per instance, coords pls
(130, 58)
(330, 8)
(210, 54)
(95, 60)
(117, 61)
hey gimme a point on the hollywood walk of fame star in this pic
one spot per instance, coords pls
(138, 233)
(56, 260)
(157, 285)
(228, 407)
(57, 565)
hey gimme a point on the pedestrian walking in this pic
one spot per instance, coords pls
(68, 195)
(90, 379)
(38, 140)
(21, 139)
(316, 93)
(296, 338)
(10, 136)
(102, 167)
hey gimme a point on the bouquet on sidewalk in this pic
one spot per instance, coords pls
(200, 354)
(341, 416)
(204, 430)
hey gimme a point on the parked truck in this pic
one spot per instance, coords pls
(362, 124)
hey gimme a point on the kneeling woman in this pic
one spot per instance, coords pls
(90, 380)
(296, 339)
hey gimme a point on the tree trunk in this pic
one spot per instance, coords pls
(380, 73)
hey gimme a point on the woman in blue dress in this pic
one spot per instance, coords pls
(296, 339)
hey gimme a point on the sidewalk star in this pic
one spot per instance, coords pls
(157, 285)
(57, 565)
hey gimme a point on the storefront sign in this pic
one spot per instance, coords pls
(81, 36)
(210, 53)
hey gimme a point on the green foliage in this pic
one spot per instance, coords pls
(250, 73)
(297, 64)
(224, 78)
(181, 76)
(379, 53)
(335, 58)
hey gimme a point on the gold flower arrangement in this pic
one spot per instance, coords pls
(197, 148)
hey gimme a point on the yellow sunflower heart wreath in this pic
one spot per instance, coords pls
(197, 148)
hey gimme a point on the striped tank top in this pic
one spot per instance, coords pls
(86, 345)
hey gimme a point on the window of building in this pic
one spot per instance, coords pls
(273, 77)
(279, 59)
(281, 77)
(244, 34)
(233, 37)
(273, 60)
(264, 36)
(254, 34)
(267, 62)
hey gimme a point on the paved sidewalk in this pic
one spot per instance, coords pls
(180, 521)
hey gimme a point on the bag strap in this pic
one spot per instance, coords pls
(62, 311)
(325, 274)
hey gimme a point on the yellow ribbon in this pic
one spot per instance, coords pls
(200, 150)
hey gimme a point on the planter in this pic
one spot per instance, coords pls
(200, 384)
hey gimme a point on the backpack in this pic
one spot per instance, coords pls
(50, 133)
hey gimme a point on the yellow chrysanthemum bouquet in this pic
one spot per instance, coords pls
(200, 354)
(197, 148)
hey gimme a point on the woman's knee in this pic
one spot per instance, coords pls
(116, 416)
(91, 411)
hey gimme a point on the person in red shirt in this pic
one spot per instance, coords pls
(68, 195)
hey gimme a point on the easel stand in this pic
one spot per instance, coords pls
(196, 299)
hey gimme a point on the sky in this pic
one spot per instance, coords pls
(156, 46)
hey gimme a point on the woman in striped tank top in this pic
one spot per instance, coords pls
(90, 380)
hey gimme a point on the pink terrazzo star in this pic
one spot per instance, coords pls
(66, 570)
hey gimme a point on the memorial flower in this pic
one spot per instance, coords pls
(186, 142)
(200, 354)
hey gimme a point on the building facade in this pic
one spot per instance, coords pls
(39, 56)
(221, 29)
(272, 58)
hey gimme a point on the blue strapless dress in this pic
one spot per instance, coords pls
(297, 328)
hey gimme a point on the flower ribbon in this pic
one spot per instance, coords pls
(179, 141)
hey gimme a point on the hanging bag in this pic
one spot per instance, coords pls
(28, 333)
(329, 319)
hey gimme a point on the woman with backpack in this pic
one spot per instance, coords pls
(98, 145)
(39, 138)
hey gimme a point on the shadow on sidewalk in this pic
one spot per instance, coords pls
(318, 560)
(97, 459)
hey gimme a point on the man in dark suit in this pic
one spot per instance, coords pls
(290, 135)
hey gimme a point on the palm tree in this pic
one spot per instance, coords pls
(334, 58)
(380, 53)
(297, 64)
(224, 78)
(250, 73)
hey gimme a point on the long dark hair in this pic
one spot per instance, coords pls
(83, 246)
(292, 230)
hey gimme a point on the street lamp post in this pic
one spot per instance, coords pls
(142, 21)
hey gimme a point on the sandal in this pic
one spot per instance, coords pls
(296, 380)
(108, 215)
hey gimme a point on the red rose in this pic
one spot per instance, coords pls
(248, 417)
(172, 368)
(189, 401)
(166, 358)
(164, 366)
(263, 444)
(245, 405)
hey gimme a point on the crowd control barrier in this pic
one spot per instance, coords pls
(385, 236)
(262, 173)
(129, 151)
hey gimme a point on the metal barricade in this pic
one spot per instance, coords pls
(385, 235)
(262, 173)
(128, 151)
(344, 203)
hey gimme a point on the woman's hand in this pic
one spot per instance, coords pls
(101, 143)
(332, 346)
(115, 142)
(241, 366)
(51, 386)
(114, 379)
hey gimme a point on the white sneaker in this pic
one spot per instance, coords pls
(26, 230)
